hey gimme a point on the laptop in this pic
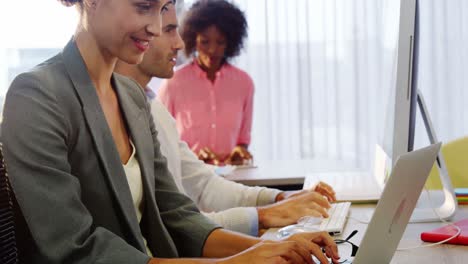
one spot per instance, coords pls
(398, 199)
(396, 205)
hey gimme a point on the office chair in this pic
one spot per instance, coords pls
(456, 158)
(8, 249)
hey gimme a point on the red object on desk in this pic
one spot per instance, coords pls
(448, 231)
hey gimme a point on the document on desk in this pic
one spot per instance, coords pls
(357, 186)
(229, 169)
(353, 187)
(224, 170)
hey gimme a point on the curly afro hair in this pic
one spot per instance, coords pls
(227, 17)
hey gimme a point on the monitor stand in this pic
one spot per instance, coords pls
(449, 207)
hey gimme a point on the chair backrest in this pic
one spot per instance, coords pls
(8, 249)
(455, 154)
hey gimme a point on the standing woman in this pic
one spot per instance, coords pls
(210, 98)
(84, 160)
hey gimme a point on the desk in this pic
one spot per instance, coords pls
(285, 172)
(438, 254)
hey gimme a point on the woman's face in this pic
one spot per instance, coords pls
(211, 45)
(124, 28)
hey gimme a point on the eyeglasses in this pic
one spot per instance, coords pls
(347, 248)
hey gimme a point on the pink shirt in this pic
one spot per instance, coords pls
(215, 115)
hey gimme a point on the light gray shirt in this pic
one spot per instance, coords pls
(227, 203)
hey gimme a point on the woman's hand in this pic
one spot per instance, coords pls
(239, 156)
(314, 242)
(208, 156)
(270, 252)
(296, 249)
(288, 211)
(321, 188)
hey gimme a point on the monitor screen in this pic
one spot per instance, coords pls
(414, 85)
(399, 134)
(399, 127)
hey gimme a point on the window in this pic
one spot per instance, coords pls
(31, 32)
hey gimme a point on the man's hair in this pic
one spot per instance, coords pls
(71, 2)
(226, 17)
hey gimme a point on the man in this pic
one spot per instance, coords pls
(232, 205)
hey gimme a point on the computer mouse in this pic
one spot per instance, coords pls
(296, 228)
(304, 224)
(310, 220)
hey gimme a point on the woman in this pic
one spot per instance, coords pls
(90, 185)
(210, 98)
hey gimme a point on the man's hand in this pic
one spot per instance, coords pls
(326, 190)
(288, 211)
(321, 188)
(239, 156)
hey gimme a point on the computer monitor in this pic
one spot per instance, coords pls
(400, 126)
(401, 113)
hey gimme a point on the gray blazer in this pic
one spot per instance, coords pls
(69, 180)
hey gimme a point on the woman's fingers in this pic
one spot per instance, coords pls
(208, 156)
(303, 253)
(239, 155)
(297, 253)
(325, 240)
(278, 260)
(288, 250)
(246, 154)
(317, 252)
(315, 241)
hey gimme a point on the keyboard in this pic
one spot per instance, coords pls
(334, 224)
(337, 218)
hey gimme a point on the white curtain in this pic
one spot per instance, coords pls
(321, 69)
(324, 69)
(443, 65)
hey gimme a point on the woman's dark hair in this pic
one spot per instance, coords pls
(227, 17)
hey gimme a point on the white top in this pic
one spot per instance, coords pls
(225, 202)
(133, 173)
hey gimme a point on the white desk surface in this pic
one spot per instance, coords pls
(289, 172)
(438, 254)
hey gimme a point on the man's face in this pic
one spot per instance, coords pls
(160, 59)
